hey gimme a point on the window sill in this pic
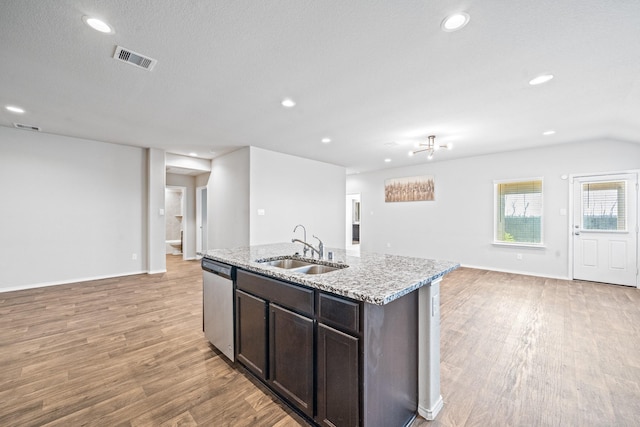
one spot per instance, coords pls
(520, 245)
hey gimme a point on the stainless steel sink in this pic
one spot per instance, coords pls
(287, 263)
(315, 269)
(302, 266)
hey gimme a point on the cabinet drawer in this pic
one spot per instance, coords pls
(285, 294)
(339, 312)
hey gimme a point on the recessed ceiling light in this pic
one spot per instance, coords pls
(455, 22)
(288, 103)
(387, 160)
(548, 132)
(543, 78)
(97, 24)
(14, 109)
(326, 140)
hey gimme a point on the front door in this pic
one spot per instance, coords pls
(605, 228)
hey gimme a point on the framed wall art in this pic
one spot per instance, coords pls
(410, 189)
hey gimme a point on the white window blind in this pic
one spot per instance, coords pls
(518, 212)
(603, 206)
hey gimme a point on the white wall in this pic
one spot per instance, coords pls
(157, 261)
(228, 200)
(292, 190)
(187, 162)
(458, 225)
(71, 209)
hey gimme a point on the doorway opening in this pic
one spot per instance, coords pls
(175, 225)
(353, 230)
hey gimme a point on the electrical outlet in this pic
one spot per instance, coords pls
(134, 257)
(519, 257)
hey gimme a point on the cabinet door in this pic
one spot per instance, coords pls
(251, 332)
(338, 374)
(291, 357)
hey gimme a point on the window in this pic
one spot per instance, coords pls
(603, 206)
(518, 212)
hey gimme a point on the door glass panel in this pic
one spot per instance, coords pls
(603, 206)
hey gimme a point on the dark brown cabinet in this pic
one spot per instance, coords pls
(338, 374)
(291, 356)
(251, 332)
(304, 344)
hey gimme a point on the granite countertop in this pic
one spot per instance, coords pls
(371, 277)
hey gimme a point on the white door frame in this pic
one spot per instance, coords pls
(572, 178)
(201, 220)
(349, 221)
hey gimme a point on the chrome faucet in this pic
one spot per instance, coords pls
(320, 250)
(307, 246)
(305, 239)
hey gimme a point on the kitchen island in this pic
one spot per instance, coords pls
(367, 332)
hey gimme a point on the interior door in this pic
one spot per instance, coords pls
(605, 228)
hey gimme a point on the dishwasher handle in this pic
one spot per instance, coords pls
(215, 267)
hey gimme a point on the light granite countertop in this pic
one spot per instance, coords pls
(370, 277)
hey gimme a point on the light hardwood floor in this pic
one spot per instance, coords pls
(122, 352)
(516, 351)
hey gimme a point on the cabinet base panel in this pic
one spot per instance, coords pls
(431, 413)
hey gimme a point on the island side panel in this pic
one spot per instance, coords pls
(429, 398)
(390, 362)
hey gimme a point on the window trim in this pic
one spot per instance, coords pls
(496, 183)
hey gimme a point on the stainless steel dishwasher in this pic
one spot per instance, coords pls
(217, 305)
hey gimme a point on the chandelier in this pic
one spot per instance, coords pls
(430, 146)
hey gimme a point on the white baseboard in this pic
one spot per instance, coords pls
(524, 273)
(66, 282)
(431, 413)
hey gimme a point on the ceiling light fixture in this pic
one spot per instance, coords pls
(548, 132)
(97, 24)
(14, 109)
(326, 140)
(288, 103)
(193, 154)
(430, 147)
(387, 160)
(543, 78)
(455, 22)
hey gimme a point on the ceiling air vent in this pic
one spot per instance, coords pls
(134, 58)
(27, 127)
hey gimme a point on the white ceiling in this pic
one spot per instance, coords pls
(365, 73)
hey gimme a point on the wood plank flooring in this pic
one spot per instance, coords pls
(528, 351)
(122, 352)
(516, 351)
